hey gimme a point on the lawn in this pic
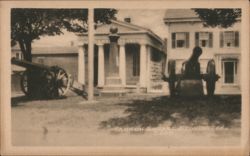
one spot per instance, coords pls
(219, 111)
(215, 120)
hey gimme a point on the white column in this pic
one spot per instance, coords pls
(148, 69)
(122, 65)
(143, 65)
(81, 64)
(100, 65)
(91, 54)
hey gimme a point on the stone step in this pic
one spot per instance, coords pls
(113, 87)
(113, 92)
(113, 80)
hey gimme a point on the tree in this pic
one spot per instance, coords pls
(218, 17)
(30, 24)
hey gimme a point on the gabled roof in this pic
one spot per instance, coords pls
(124, 28)
(175, 15)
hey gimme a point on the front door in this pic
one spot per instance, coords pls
(132, 64)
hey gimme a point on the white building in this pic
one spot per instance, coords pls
(221, 44)
(140, 58)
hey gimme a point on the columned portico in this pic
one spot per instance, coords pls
(81, 64)
(122, 66)
(101, 67)
(124, 58)
(143, 65)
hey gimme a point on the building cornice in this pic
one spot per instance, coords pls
(186, 20)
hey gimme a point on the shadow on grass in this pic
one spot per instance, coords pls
(218, 111)
(15, 101)
(21, 100)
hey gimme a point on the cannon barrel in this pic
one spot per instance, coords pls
(29, 65)
(189, 81)
(43, 81)
(197, 51)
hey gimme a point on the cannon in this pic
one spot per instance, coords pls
(189, 81)
(43, 81)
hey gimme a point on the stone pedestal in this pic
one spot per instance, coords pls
(114, 85)
(113, 72)
(191, 88)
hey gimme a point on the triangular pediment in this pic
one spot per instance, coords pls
(123, 27)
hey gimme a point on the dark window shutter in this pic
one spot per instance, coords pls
(173, 40)
(221, 39)
(210, 40)
(196, 39)
(237, 38)
(235, 63)
(187, 40)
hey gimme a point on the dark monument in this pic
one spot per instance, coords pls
(189, 82)
(191, 67)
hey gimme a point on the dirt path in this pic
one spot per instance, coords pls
(134, 120)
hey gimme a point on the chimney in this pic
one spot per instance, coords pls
(127, 19)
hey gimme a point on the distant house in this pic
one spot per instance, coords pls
(223, 45)
(140, 66)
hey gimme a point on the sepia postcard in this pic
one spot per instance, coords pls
(124, 77)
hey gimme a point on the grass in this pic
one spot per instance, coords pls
(219, 111)
(145, 111)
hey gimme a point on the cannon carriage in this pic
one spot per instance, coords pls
(41, 81)
(190, 78)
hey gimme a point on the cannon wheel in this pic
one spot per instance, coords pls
(211, 78)
(24, 82)
(62, 81)
(171, 81)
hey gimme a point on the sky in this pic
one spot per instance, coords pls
(151, 19)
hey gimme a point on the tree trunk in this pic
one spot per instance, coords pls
(25, 46)
(32, 75)
(28, 50)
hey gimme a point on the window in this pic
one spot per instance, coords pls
(229, 39)
(204, 39)
(229, 71)
(180, 40)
